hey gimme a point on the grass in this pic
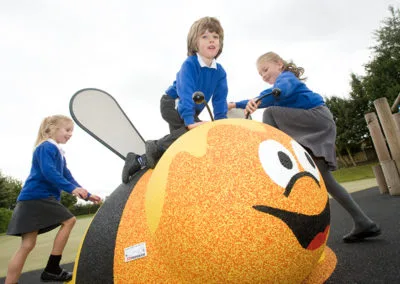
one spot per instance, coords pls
(38, 258)
(354, 173)
(84, 216)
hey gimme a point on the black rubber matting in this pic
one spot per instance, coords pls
(374, 260)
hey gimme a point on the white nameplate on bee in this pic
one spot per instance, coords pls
(135, 252)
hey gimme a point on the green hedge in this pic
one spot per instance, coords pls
(5, 217)
(84, 209)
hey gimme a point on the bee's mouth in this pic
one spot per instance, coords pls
(310, 231)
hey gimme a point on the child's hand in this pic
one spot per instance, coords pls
(80, 192)
(251, 106)
(191, 126)
(95, 199)
(231, 105)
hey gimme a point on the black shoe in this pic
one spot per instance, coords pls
(131, 166)
(64, 276)
(370, 232)
(153, 153)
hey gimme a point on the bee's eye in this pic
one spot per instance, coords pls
(277, 161)
(306, 160)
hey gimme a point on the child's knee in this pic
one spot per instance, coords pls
(268, 117)
(28, 244)
(70, 222)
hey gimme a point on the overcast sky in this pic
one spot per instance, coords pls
(132, 49)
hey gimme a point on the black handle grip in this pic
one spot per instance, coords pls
(198, 98)
(275, 92)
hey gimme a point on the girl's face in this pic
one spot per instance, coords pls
(64, 132)
(270, 70)
(208, 46)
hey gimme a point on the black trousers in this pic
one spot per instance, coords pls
(169, 113)
(176, 124)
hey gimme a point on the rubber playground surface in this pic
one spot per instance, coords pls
(371, 261)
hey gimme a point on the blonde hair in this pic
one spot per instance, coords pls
(200, 27)
(287, 66)
(49, 126)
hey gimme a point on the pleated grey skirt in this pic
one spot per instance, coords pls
(41, 215)
(313, 128)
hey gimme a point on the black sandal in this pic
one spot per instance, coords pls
(64, 276)
(353, 237)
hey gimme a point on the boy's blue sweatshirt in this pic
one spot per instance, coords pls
(191, 78)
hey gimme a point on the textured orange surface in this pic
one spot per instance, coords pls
(198, 222)
(133, 230)
(323, 270)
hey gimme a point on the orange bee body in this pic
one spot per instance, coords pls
(230, 201)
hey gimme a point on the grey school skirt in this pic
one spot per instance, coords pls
(313, 128)
(41, 215)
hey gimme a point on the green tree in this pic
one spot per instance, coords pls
(360, 104)
(383, 71)
(342, 114)
(382, 79)
(3, 195)
(5, 217)
(68, 200)
(9, 191)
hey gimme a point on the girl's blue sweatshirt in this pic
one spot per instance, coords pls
(49, 175)
(294, 94)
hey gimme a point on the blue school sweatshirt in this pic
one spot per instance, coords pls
(48, 176)
(294, 94)
(191, 78)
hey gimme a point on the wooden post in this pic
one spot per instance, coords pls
(391, 176)
(389, 128)
(396, 117)
(396, 103)
(389, 168)
(380, 179)
(377, 137)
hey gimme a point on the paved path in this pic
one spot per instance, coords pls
(353, 186)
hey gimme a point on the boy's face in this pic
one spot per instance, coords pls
(208, 45)
(64, 132)
(269, 70)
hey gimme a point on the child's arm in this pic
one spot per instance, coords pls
(231, 105)
(68, 175)
(47, 159)
(287, 83)
(252, 105)
(220, 106)
(94, 198)
(186, 86)
(81, 192)
(241, 104)
(86, 195)
(91, 197)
